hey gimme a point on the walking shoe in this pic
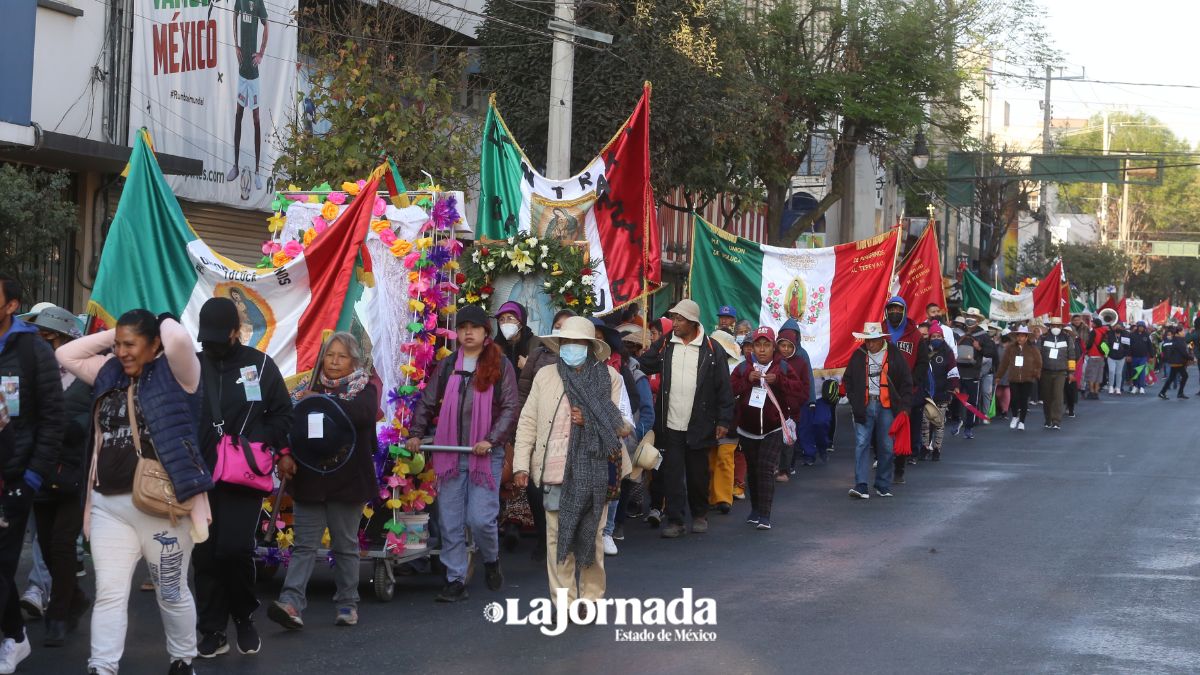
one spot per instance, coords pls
(1162, 395)
(1046, 425)
(1013, 423)
(764, 524)
(493, 577)
(1020, 426)
(453, 592)
(859, 492)
(619, 532)
(781, 477)
(699, 525)
(956, 429)
(248, 641)
(1141, 390)
(654, 518)
(285, 615)
(1056, 427)
(810, 461)
(33, 602)
(673, 531)
(13, 653)
(739, 491)
(180, 667)
(724, 508)
(969, 434)
(610, 546)
(912, 461)
(1070, 413)
(899, 478)
(882, 493)
(56, 633)
(212, 644)
(792, 471)
(1183, 397)
(937, 455)
(753, 518)
(346, 616)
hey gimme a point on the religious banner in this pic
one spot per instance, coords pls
(216, 81)
(920, 276)
(609, 205)
(830, 292)
(993, 303)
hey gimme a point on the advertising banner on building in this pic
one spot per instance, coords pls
(215, 80)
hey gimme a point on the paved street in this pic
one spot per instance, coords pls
(1068, 552)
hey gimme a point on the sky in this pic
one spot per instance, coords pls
(1143, 41)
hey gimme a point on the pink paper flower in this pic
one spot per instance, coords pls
(387, 237)
(319, 224)
(338, 198)
(271, 247)
(380, 207)
(293, 248)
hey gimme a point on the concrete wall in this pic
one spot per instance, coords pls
(66, 96)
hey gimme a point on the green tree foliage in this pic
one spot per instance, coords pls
(1090, 267)
(35, 219)
(1174, 278)
(386, 83)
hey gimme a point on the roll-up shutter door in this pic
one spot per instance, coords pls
(237, 234)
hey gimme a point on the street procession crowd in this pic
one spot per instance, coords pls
(153, 451)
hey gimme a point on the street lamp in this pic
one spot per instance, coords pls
(920, 152)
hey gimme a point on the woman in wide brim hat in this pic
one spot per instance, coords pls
(569, 432)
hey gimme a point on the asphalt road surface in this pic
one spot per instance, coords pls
(1039, 552)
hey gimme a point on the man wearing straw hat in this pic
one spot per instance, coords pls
(1058, 355)
(694, 410)
(879, 386)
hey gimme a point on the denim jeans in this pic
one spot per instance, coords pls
(1139, 377)
(1116, 373)
(876, 426)
(467, 505)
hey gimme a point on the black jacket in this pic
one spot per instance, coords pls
(1140, 346)
(899, 382)
(1175, 351)
(356, 482)
(713, 404)
(1116, 348)
(37, 432)
(269, 420)
(72, 455)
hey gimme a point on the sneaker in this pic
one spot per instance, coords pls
(56, 633)
(654, 518)
(810, 461)
(912, 461)
(699, 525)
(181, 667)
(723, 508)
(856, 493)
(346, 616)
(1070, 413)
(1020, 426)
(13, 653)
(764, 524)
(753, 518)
(1141, 390)
(1183, 397)
(969, 434)
(493, 577)
(673, 531)
(937, 455)
(1056, 427)
(781, 477)
(1013, 423)
(610, 546)
(232, 175)
(882, 493)
(33, 602)
(1046, 425)
(792, 471)
(248, 641)
(212, 644)
(1162, 395)
(619, 533)
(739, 493)
(898, 479)
(285, 615)
(453, 592)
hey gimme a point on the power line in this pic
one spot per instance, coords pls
(1080, 79)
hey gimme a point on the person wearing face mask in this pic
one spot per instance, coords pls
(1058, 352)
(907, 337)
(1022, 367)
(1140, 350)
(938, 382)
(515, 337)
(788, 346)
(741, 334)
(879, 386)
(973, 347)
(244, 395)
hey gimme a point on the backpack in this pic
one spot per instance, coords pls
(831, 391)
(966, 351)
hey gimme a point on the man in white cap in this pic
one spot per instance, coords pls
(693, 411)
(879, 386)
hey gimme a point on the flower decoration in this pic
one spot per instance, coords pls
(567, 274)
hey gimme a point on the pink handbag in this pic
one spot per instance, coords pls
(245, 463)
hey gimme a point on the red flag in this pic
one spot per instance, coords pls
(970, 408)
(1160, 313)
(1052, 297)
(921, 277)
(624, 210)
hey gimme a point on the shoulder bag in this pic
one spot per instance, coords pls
(239, 461)
(153, 492)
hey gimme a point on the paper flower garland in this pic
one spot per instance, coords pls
(567, 277)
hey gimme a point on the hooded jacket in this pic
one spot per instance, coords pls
(519, 345)
(906, 336)
(800, 361)
(1140, 346)
(37, 432)
(787, 389)
(1118, 344)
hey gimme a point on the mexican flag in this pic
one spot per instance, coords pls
(153, 259)
(609, 206)
(995, 304)
(830, 292)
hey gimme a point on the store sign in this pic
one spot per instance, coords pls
(215, 80)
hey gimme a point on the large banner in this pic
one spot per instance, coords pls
(609, 205)
(215, 80)
(993, 303)
(919, 278)
(829, 292)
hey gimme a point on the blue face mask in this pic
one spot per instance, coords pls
(573, 355)
(938, 342)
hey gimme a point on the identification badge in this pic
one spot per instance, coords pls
(251, 383)
(316, 425)
(1018, 361)
(1124, 340)
(10, 386)
(1054, 353)
(758, 397)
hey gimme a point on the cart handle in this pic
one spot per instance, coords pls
(427, 444)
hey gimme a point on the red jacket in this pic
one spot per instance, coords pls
(1097, 337)
(788, 388)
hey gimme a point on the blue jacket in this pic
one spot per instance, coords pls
(172, 416)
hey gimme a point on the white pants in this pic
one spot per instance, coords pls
(121, 536)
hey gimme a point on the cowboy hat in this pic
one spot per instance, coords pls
(56, 319)
(974, 313)
(933, 413)
(727, 342)
(687, 309)
(1022, 330)
(871, 331)
(646, 456)
(1055, 321)
(578, 328)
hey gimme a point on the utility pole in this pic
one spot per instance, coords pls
(562, 86)
(1104, 188)
(1046, 186)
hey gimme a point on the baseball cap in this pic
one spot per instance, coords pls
(474, 314)
(727, 310)
(218, 319)
(763, 332)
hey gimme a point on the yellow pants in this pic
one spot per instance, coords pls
(592, 581)
(720, 469)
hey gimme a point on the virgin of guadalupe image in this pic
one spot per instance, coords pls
(794, 300)
(253, 323)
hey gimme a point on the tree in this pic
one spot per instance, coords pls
(1000, 198)
(1090, 267)
(1174, 278)
(35, 219)
(386, 83)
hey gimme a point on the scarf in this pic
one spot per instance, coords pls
(585, 480)
(345, 388)
(445, 464)
(896, 332)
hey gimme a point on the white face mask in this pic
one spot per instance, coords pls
(741, 339)
(508, 330)
(1055, 331)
